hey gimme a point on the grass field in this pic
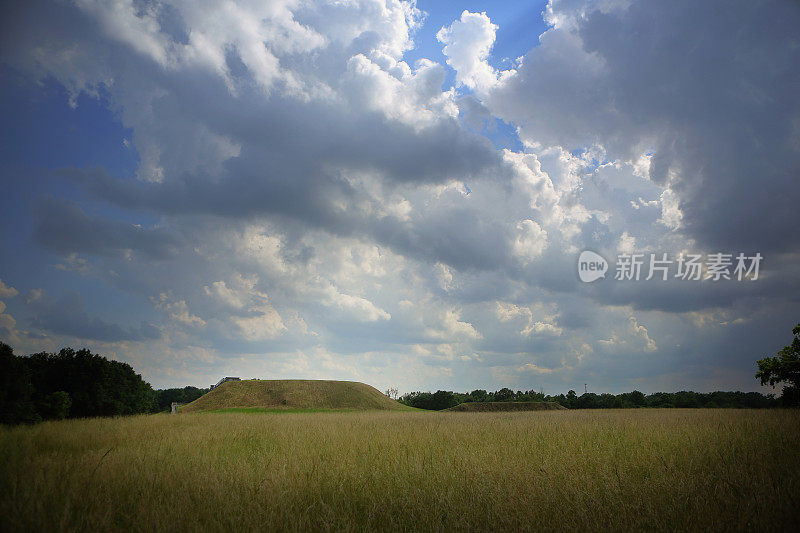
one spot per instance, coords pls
(487, 407)
(564, 470)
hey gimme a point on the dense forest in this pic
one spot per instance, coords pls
(76, 384)
(444, 399)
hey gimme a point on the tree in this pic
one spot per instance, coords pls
(54, 406)
(478, 395)
(504, 395)
(96, 386)
(535, 396)
(16, 390)
(633, 399)
(588, 400)
(784, 368)
(69, 384)
(443, 399)
(572, 399)
(425, 400)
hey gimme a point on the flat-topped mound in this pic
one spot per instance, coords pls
(293, 394)
(506, 406)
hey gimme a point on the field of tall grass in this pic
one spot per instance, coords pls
(564, 470)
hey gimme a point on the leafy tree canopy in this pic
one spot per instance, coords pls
(69, 384)
(784, 368)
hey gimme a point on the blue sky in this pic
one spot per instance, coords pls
(41, 133)
(335, 191)
(521, 24)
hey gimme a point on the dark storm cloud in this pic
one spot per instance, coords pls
(292, 158)
(556, 273)
(711, 86)
(64, 228)
(458, 237)
(67, 315)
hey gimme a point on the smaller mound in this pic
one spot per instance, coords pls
(485, 407)
(293, 394)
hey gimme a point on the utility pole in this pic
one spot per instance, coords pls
(585, 390)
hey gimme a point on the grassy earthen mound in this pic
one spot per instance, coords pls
(506, 406)
(293, 394)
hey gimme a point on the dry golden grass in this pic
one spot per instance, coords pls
(563, 470)
(486, 407)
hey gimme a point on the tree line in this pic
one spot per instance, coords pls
(77, 384)
(445, 399)
(783, 368)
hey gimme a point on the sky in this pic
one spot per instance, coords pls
(399, 193)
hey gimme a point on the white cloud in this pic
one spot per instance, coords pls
(220, 291)
(467, 44)
(264, 322)
(530, 242)
(178, 310)
(357, 307)
(627, 243)
(444, 275)
(449, 326)
(640, 330)
(640, 203)
(507, 312)
(6, 291)
(411, 96)
(671, 214)
(138, 28)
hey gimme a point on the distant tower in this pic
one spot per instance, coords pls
(585, 390)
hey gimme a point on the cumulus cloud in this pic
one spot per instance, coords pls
(7, 322)
(530, 241)
(223, 293)
(178, 310)
(507, 312)
(467, 43)
(357, 307)
(687, 81)
(449, 325)
(263, 322)
(307, 201)
(7, 291)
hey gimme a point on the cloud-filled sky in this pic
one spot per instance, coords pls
(397, 192)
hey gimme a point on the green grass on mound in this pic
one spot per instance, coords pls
(283, 411)
(506, 406)
(293, 394)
